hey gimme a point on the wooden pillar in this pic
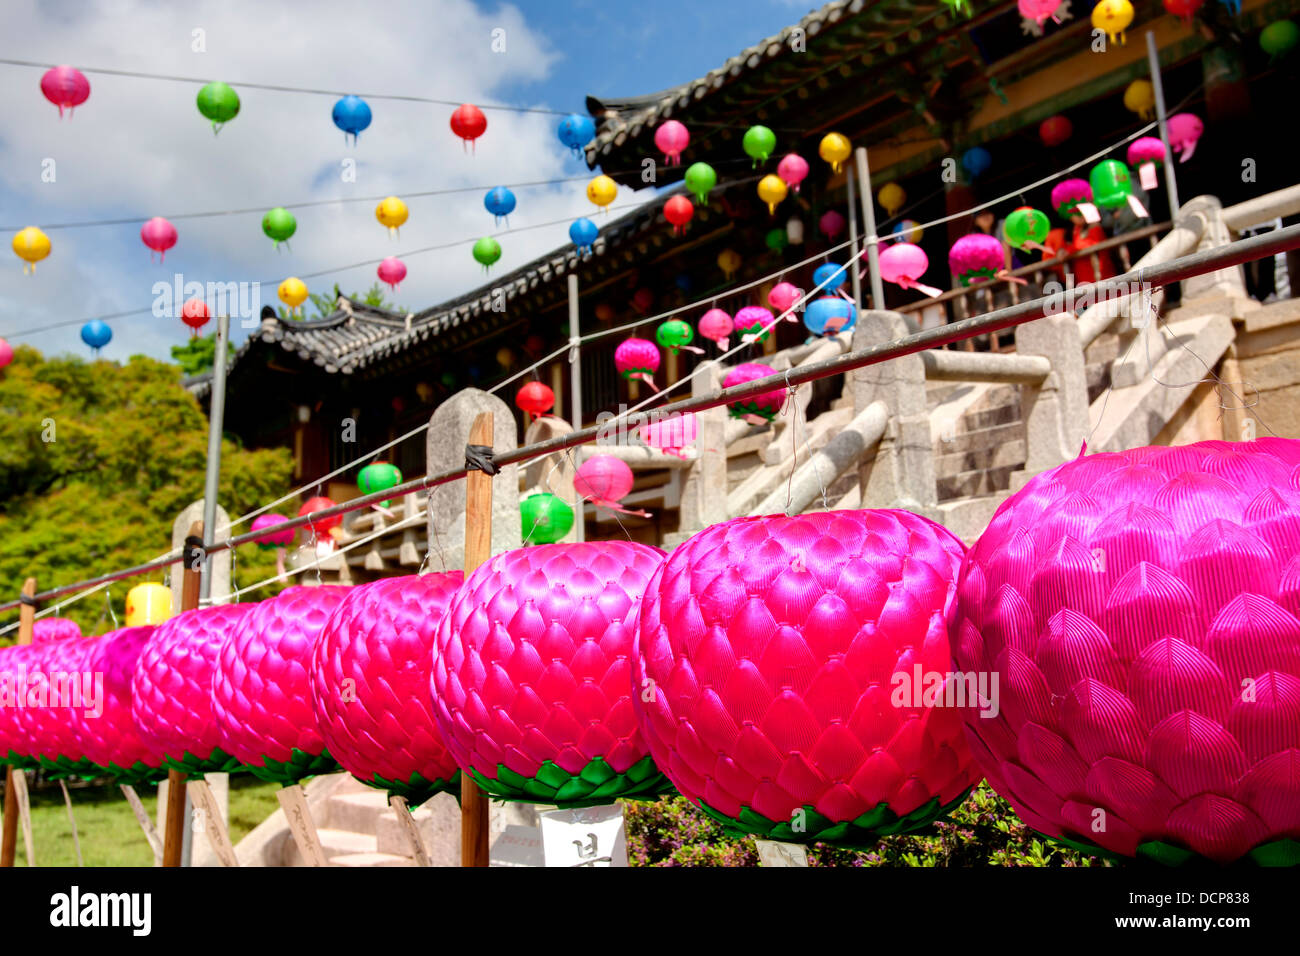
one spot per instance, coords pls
(26, 625)
(478, 548)
(174, 822)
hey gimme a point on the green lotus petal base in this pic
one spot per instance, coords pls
(298, 766)
(596, 784)
(741, 409)
(59, 768)
(862, 833)
(21, 761)
(417, 789)
(1284, 852)
(218, 761)
(139, 772)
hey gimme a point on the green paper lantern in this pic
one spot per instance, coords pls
(547, 518)
(674, 334)
(1111, 183)
(1279, 38)
(777, 240)
(1026, 225)
(700, 178)
(279, 225)
(218, 103)
(758, 143)
(487, 251)
(379, 476)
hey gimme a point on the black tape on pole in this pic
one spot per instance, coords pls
(479, 458)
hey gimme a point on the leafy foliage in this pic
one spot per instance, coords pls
(324, 305)
(198, 354)
(983, 831)
(96, 461)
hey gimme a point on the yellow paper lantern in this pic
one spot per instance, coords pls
(729, 262)
(31, 245)
(602, 190)
(835, 149)
(148, 604)
(1140, 97)
(392, 212)
(505, 358)
(293, 292)
(1113, 16)
(891, 197)
(772, 189)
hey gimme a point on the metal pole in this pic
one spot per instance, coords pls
(575, 382)
(854, 273)
(1171, 181)
(216, 416)
(869, 218)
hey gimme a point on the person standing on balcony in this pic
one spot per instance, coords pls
(1077, 238)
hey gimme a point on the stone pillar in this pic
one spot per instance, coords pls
(448, 435)
(1224, 291)
(704, 490)
(220, 560)
(1056, 411)
(899, 471)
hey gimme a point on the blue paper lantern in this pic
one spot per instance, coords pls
(833, 271)
(96, 334)
(825, 310)
(352, 115)
(576, 131)
(499, 201)
(583, 233)
(976, 161)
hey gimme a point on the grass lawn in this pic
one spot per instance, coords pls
(109, 833)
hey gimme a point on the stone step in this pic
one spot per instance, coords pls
(359, 812)
(991, 417)
(371, 859)
(1006, 454)
(335, 843)
(984, 481)
(974, 439)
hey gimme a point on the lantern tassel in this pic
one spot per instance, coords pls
(645, 377)
(615, 506)
(722, 343)
(929, 290)
(691, 348)
(1188, 148)
(1004, 274)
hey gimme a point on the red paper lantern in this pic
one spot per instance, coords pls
(1055, 130)
(1184, 9)
(642, 300)
(320, 525)
(535, 398)
(468, 122)
(678, 210)
(195, 313)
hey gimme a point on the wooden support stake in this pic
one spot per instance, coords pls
(146, 824)
(25, 814)
(174, 822)
(407, 824)
(12, 811)
(76, 840)
(205, 801)
(293, 800)
(478, 548)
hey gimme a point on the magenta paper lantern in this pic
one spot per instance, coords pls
(1185, 131)
(603, 480)
(171, 689)
(672, 137)
(792, 169)
(1068, 194)
(261, 687)
(903, 263)
(1146, 149)
(65, 86)
(831, 224)
(54, 629)
(787, 661)
(392, 271)
(757, 409)
(672, 435)
(370, 677)
(976, 257)
(159, 235)
(1141, 613)
(17, 661)
(754, 322)
(783, 296)
(112, 740)
(272, 538)
(716, 325)
(637, 359)
(532, 684)
(67, 690)
(1039, 10)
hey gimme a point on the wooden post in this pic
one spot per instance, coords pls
(409, 829)
(146, 824)
(174, 822)
(478, 548)
(26, 625)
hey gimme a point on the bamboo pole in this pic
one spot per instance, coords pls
(478, 548)
(191, 580)
(12, 811)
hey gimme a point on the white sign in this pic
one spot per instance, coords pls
(517, 845)
(772, 853)
(593, 836)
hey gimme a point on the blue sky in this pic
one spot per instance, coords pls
(138, 147)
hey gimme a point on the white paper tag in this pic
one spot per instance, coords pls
(1147, 176)
(1135, 204)
(772, 853)
(1089, 212)
(592, 836)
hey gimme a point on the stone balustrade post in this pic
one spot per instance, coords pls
(1055, 411)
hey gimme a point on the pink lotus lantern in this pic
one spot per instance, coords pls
(637, 359)
(1141, 613)
(831, 224)
(977, 257)
(757, 409)
(277, 539)
(261, 688)
(65, 86)
(716, 325)
(392, 271)
(171, 689)
(54, 629)
(672, 137)
(1071, 195)
(159, 235)
(605, 480)
(370, 676)
(1145, 154)
(903, 263)
(793, 169)
(1040, 10)
(783, 296)
(17, 662)
(672, 435)
(1185, 131)
(112, 740)
(66, 691)
(532, 685)
(754, 322)
(798, 674)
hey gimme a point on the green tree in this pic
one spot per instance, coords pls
(96, 461)
(196, 355)
(324, 305)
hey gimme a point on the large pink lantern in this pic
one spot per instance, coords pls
(17, 661)
(171, 689)
(159, 235)
(261, 687)
(532, 684)
(798, 675)
(672, 435)
(604, 481)
(783, 296)
(672, 137)
(1185, 131)
(757, 409)
(1040, 10)
(392, 271)
(831, 224)
(65, 86)
(1141, 613)
(370, 685)
(716, 325)
(637, 359)
(67, 692)
(111, 739)
(903, 263)
(792, 169)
